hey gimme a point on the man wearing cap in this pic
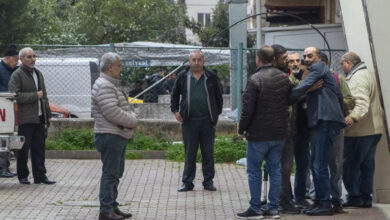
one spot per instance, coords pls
(7, 66)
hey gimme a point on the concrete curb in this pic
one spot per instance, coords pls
(93, 154)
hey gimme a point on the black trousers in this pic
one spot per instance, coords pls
(35, 141)
(198, 133)
(287, 164)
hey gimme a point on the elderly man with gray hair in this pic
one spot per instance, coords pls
(34, 114)
(363, 132)
(114, 125)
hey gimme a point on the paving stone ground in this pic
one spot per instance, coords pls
(148, 189)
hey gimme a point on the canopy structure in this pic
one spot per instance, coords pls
(143, 54)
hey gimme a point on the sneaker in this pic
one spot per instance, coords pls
(273, 214)
(250, 214)
(337, 206)
(302, 204)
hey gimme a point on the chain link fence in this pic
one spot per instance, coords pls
(70, 71)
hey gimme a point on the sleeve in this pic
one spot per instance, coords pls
(315, 74)
(15, 85)
(248, 106)
(218, 95)
(360, 89)
(108, 103)
(175, 94)
(348, 99)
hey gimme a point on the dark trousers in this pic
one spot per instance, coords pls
(35, 141)
(302, 155)
(287, 164)
(112, 148)
(195, 133)
(4, 160)
(359, 167)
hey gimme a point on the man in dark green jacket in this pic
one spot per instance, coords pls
(33, 113)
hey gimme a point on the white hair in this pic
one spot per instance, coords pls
(107, 59)
(195, 51)
(23, 51)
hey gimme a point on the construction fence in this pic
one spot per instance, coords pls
(70, 71)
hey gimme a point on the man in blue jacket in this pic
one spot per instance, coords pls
(325, 119)
(7, 66)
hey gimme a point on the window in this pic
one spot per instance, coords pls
(204, 19)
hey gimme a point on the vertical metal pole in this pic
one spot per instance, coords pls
(239, 79)
(258, 24)
(112, 47)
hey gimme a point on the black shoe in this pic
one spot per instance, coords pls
(366, 204)
(287, 208)
(320, 211)
(24, 181)
(312, 206)
(185, 188)
(9, 171)
(353, 204)
(124, 215)
(5, 173)
(44, 181)
(274, 214)
(302, 204)
(249, 214)
(210, 187)
(111, 215)
(337, 207)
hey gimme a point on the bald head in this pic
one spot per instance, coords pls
(311, 55)
(265, 55)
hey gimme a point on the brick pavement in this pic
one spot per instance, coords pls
(148, 189)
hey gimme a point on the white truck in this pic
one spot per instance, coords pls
(9, 140)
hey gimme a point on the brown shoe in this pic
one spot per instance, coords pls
(125, 215)
(111, 215)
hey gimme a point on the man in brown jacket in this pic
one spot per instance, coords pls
(264, 124)
(34, 114)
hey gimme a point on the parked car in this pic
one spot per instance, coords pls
(58, 111)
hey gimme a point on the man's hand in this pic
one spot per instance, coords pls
(178, 117)
(305, 71)
(40, 94)
(349, 121)
(316, 85)
(241, 135)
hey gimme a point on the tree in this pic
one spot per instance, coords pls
(117, 21)
(13, 23)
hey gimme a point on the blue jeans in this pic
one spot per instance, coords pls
(359, 167)
(302, 155)
(112, 148)
(271, 152)
(321, 138)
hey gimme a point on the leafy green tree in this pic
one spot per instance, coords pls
(117, 21)
(13, 23)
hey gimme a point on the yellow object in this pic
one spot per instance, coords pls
(135, 101)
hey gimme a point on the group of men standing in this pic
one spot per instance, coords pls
(302, 114)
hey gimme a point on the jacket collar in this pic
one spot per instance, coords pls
(6, 66)
(357, 67)
(27, 69)
(114, 81)
(268, 65)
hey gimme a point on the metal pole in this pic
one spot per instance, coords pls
(258, 24)
(239, 79)
(112, 47)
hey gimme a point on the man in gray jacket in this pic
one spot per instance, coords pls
(114, 124)
(34, 114)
